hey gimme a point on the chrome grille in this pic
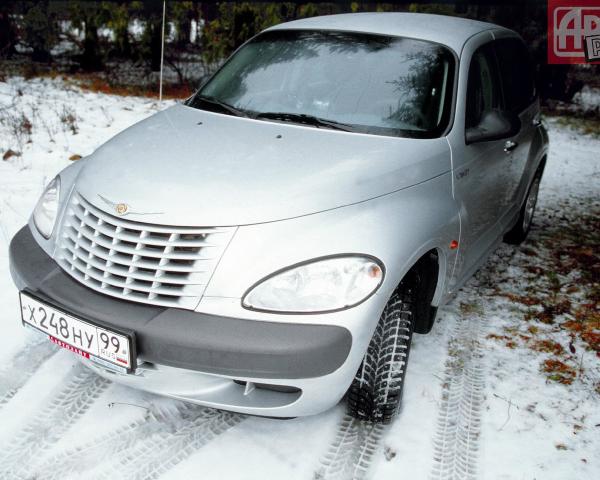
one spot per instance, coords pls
(155, 264)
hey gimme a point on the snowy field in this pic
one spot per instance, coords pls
(507, 386)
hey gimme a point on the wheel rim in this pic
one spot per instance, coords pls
(530, 204)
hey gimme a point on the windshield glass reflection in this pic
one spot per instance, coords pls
(372, 83)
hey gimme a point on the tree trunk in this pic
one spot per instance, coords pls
(184, 28)
(7, 36)
(41, 54)
(155, 26)
(91, 60)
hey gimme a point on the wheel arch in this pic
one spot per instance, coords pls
(538, 170)
(542, 164)
(426, 272)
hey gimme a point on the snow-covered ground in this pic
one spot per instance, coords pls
(507, 386)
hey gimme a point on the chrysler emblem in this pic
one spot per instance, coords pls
(122, 209)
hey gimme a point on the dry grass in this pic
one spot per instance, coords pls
(558, 371)
(97, 84)
(558, 297)
(585, 126)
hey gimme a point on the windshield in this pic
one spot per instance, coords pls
(351, 81)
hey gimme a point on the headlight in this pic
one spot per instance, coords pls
(318, 286)
(44, 215)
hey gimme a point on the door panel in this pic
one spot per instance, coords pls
(518, 90)
(484, 173)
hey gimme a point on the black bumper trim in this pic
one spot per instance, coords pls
(182, 338)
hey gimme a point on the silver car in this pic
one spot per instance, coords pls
(271, 244)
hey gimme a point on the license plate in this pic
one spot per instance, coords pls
(101, 345)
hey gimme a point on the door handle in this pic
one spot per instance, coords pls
(509, 146)
(537, 121)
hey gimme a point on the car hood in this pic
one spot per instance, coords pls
(185, 166)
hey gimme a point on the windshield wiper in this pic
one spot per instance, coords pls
(304, 119)
(222, 105)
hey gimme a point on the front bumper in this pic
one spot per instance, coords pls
(196, 356)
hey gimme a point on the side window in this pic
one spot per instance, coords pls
(516, 73)
(483, 88)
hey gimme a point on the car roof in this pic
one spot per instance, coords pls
(450, 31)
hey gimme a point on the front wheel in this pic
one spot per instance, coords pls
(376, 392)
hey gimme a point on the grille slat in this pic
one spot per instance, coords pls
(149, 263)
(124, 283)
(137, 274)
(149, 227)
(155, 264)
(140, 248)
(198, 240)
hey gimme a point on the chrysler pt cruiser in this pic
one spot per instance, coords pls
(271, 244)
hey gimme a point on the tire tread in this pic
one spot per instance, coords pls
(376, 392)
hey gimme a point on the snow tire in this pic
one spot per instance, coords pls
(376, 392)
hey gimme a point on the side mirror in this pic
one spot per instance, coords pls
(495, 125)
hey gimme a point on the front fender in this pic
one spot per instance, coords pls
(397, 228)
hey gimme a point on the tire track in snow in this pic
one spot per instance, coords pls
(351, 453)
(456, 440)
(115, 443)
(62, 410)
(158, 452)
(22, 367)
(95, 451)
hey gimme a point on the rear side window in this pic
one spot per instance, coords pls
(483, 89)
(516, 72)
